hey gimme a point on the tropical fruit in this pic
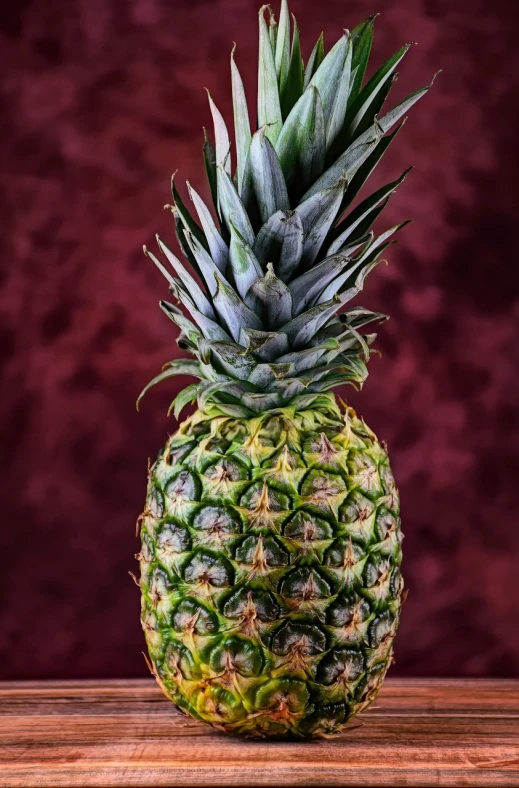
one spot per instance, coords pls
(271, 541)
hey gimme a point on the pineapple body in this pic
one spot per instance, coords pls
(271, 543)
(270, 570)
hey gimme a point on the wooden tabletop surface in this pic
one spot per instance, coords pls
(124, 733)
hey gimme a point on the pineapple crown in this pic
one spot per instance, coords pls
(283, 253)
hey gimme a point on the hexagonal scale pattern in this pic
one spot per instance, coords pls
(270, 571)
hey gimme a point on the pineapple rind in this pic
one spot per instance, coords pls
(270, 570)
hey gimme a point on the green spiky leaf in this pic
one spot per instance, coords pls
(366, 98)
(301, 145)
(267, 177)
(317, 214)
(233, 210)
(275, 298)
(221, 135)
(329, 76)
(206, 264)
(230, 358)
(362, 40)
(306, 288)
(180, 226)
(292, 89)
(303, 360)
(217, 246)
(358, 222)
(191, 285)
(184, 397)
(197, 296)
(266, 345)
(375, 108)
(178, 317)
(282, 51)
(209, 328)
(241, 123)
(304, 326)
(339, 99)
(367, 167)
(280, 241)
(314, 61)
(269, 108)
(179, 367)
(347, 165)
(185, 215)
(388, 120)
(234, 312)
(273, 32)
(244, 264)
(209, 155)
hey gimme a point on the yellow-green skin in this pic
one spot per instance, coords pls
(271, 587)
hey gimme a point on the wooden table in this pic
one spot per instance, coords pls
(123, 733)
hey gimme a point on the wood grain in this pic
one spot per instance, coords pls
(123, 733)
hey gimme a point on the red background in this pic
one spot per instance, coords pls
(101, 101)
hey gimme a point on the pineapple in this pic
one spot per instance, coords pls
(271, 541)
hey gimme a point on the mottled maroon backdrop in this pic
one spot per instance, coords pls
(101, 101)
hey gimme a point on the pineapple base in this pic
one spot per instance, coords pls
(270, 570)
